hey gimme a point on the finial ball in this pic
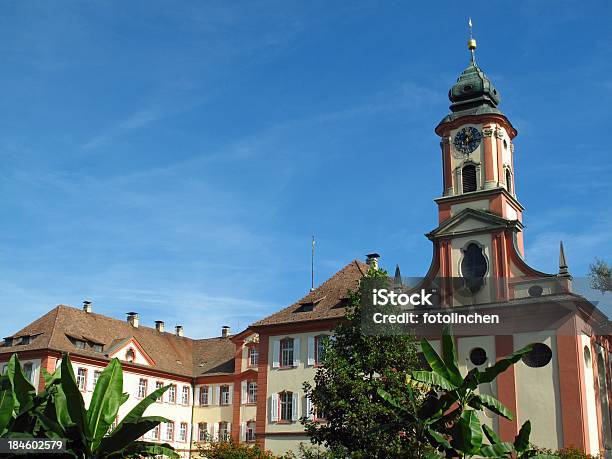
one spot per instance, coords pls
(471, 44)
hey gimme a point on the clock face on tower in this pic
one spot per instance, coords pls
(467, 140)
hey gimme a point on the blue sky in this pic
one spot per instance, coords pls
(174, 158)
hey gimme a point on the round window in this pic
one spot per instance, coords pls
(535, 290)
(478, 356)
(467, 88)
(539, 356)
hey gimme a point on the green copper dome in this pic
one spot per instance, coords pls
(472, 94)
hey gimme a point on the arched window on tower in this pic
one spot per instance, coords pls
(508, 181)
(468, 177)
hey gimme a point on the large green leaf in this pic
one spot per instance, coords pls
(7, 403)
(494, 405)
(23, 390)
(140, 449)
(498, 450)
(73, 399)
(501, 365)
(467, 437)
(136, 413)
(433, 359)
(126, 434)
(490, 434)
(105, 401)
(521, 441)
(439, 438)
(432, 379)
(449, 356)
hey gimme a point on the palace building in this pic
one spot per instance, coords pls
(248, 386)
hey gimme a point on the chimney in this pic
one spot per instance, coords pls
(87, 306)
(132, 318)
(159, 326)
(179, 330)
(372, 260)
(225, 331)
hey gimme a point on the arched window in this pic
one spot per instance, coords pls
(130, 355)
(473, 267)
(508, 181)
(468, 177)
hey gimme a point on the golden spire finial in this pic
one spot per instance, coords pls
(471, 42)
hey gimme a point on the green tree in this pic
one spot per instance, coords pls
(600, 275)
(358, 422)
(59, 412)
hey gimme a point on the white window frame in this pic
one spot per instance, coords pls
(172, 394)
(185, 401)
(142, 388)
(287, 351)
(204, 390)
(183, 432)
(225, 397)
(81, 379)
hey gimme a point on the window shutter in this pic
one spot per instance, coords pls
(215, 433)
(229, 428)
(217, 395)
(309, 410)
(243, 391)
(296, 352)
(295, 400)
(243, 431)
(274, 408)
(230, 394)
(275, 353)
(210, 430)
(311, 350)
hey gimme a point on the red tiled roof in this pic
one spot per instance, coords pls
(327, 300)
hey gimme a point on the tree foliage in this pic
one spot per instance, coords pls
(600, 275)
(59, 412)
(358, 422)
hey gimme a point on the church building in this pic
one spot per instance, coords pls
(249, 386)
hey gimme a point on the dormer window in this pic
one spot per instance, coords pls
(80, 344)
(8, 342)
(96, 347)
(26, 339)
(130, 356)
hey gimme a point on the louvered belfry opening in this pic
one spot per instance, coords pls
(508, 181)
(468, 176)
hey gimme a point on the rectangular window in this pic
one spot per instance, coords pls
(185, 395)
(81, 378)
(225, 395)
(142, 388)
(25, 340)
(96, 347)
(79, 344)
(202, 431)
(97, 374)
(153, 434)
(252, 392)
(172, 394)
(223, 432)
(27, 371)
(250, 432)
(204, 395)
(286, 352)
(183, 432)
(320, 349)
(286, 406)
(170, 431)
(253, 356)
(159, 385)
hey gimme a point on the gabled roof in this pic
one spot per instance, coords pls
(327, 300)
(172, 354)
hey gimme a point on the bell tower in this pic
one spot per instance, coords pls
(480, 232)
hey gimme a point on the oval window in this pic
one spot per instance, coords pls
(539, 356)
(478, 356)
(473, 267)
